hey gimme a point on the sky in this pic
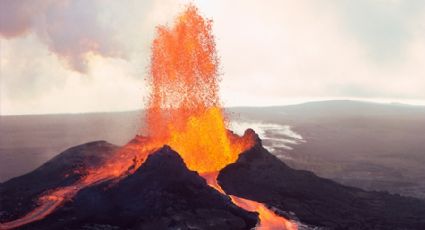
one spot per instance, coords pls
(77, 56)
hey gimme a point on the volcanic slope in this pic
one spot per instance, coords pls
(161, 194)
(18, 195)
(260, 176)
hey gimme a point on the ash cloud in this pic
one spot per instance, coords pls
(70, 29)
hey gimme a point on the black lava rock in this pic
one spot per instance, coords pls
(161, 194)
(260, 176)
(19, 195)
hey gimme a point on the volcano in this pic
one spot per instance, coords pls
(186, 169)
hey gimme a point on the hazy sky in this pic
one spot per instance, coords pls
(93, 55)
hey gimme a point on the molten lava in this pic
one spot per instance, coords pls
(183, 112)
(269, 220)
(184, 109)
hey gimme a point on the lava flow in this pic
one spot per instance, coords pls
(183, 112)
(268, 219)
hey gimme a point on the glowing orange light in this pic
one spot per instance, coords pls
(184, 109)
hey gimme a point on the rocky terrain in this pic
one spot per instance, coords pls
(17, 196)
(317, 201)
(164, 194)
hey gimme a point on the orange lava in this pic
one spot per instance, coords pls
(184, 109)
(269, 220)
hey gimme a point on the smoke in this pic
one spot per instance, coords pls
(70, 29)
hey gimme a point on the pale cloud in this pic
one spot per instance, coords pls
(272, 52)
(289, 50)
(384, 26)
(34, 78)
(68, 28)
(42, 84)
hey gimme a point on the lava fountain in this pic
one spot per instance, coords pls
(184, 109)
(184, 112)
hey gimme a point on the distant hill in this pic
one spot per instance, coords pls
(369, 145)
(340, 108)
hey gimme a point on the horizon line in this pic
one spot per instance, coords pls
(371, 101)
